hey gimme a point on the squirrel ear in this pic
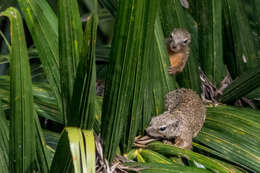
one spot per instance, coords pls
(174, 30)
(171, 35)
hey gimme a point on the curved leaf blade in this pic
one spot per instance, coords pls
(234, 135)
(210, 163)
(43, 25)
(22, 133)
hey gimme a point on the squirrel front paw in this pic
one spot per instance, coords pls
(172, 70)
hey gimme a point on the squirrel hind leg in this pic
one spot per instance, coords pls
(184, 142)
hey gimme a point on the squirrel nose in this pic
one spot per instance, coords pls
(148, 129)
(175, 48)
(173, 45)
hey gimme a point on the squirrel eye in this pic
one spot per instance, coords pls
(162, 128)
(185, 41)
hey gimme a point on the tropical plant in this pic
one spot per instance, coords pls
(49, 110)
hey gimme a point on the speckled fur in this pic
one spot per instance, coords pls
(178, 49)
(182, 120)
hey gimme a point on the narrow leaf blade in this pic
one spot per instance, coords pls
(22, 134)
(70, 44)
(82, 111)
(43, 25)
(76, 148)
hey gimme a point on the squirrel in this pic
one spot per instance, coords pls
(182, 120)
(178, 50)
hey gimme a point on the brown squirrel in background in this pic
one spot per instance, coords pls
(178, 50)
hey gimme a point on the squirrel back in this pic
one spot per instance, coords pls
(190, 104)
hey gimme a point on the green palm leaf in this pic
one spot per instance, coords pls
(124, 85)
(82, 111)
(166, 168)
(70, 44)
(244, 84)
(210, 40)
(210, 163)
(43, 25)
(4, 136)
(22, 135)
(75, 152)
(241, 52)
(234, 134)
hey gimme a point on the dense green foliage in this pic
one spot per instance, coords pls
(48, 89)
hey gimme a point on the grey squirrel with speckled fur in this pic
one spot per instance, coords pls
(182, 120)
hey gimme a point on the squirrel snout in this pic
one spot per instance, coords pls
(174, 47)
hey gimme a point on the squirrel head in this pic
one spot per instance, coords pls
(165, 126)
(179, 39)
